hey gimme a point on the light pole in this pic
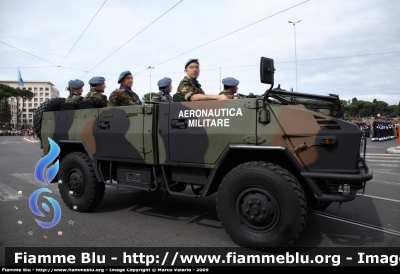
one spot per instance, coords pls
(150, 68)
(295, 53)
(220, 78)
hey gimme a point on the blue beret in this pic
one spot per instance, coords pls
(164, 82)
(97, 80)
(123, 75)
(191, 61)
(76, 83)
(230, 82)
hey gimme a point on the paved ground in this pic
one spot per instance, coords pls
(134, 218)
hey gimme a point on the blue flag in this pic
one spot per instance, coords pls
(21, 82)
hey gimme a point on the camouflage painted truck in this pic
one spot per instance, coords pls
(268, 159)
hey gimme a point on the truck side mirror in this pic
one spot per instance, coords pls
(267, 71)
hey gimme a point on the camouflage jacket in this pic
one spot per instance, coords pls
(98, 97)
(186, 89)
(122, 97)
(162, 97)
(73, 98)
(227, 93)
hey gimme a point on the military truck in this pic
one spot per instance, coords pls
(268, 159)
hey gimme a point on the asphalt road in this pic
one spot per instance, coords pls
(130, 218)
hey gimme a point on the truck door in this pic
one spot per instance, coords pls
(199, 132)
(120, 132)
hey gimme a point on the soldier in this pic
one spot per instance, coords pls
(376, 136)
(230, 87)
(75, 88)
(189, 88)
(97, 87)
(124, 96)
(165, 87)
(368, 130)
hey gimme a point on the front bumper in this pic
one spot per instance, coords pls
(365, 174)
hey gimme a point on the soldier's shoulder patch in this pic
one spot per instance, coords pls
(185, 81)
(118, 90)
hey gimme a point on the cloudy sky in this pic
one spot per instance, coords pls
(367, 30)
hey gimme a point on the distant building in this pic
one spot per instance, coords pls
(41, 90)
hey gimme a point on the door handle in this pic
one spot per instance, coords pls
(181, 123)
(104, 125)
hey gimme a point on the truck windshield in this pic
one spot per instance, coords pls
(325, 104)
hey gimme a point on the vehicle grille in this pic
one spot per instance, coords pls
(340, 188)
(326, 124)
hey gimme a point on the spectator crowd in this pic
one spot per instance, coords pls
(21, 132)
(379, 129)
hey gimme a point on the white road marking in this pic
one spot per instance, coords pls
(384, 161)
(9, 194)
(386, 172)
(30, 178)
(381, 154)
(382, 182)
(386, 165)
(383, 157)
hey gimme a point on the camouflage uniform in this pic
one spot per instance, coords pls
(187, 88)
(227, 93)
(73, 98)
(162, 97)
(123, 97)
(96, 96)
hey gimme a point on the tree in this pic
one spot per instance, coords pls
(5, 110)
(398, 110)
(5, 114)
(146, 97)
(381, 108)
(392, 110)
(354, 100)
(24, 95)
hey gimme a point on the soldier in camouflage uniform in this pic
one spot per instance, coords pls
(165, 87)
(124, 96)
(97, 87)
(75, 88)
(230, 87)
(189, 88)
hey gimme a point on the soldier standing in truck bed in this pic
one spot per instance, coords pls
(165, 87)
(230, 87)
(75, 88)
(97, 87)
(189, 88)
(124, 96)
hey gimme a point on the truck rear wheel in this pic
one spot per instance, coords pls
(77, 175)
(262, 205)
(52, 104)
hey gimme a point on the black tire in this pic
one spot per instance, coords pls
(77, 175)
(256, 188)
(53, 104)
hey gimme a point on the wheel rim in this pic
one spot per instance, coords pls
(257, 209)
(75, 182)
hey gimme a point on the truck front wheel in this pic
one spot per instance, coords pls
(79, 188)
(262, 205)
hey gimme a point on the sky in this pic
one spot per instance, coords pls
(366, 33)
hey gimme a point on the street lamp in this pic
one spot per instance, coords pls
(295, 53)
(150, 68)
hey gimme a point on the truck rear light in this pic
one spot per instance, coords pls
(327, 140)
